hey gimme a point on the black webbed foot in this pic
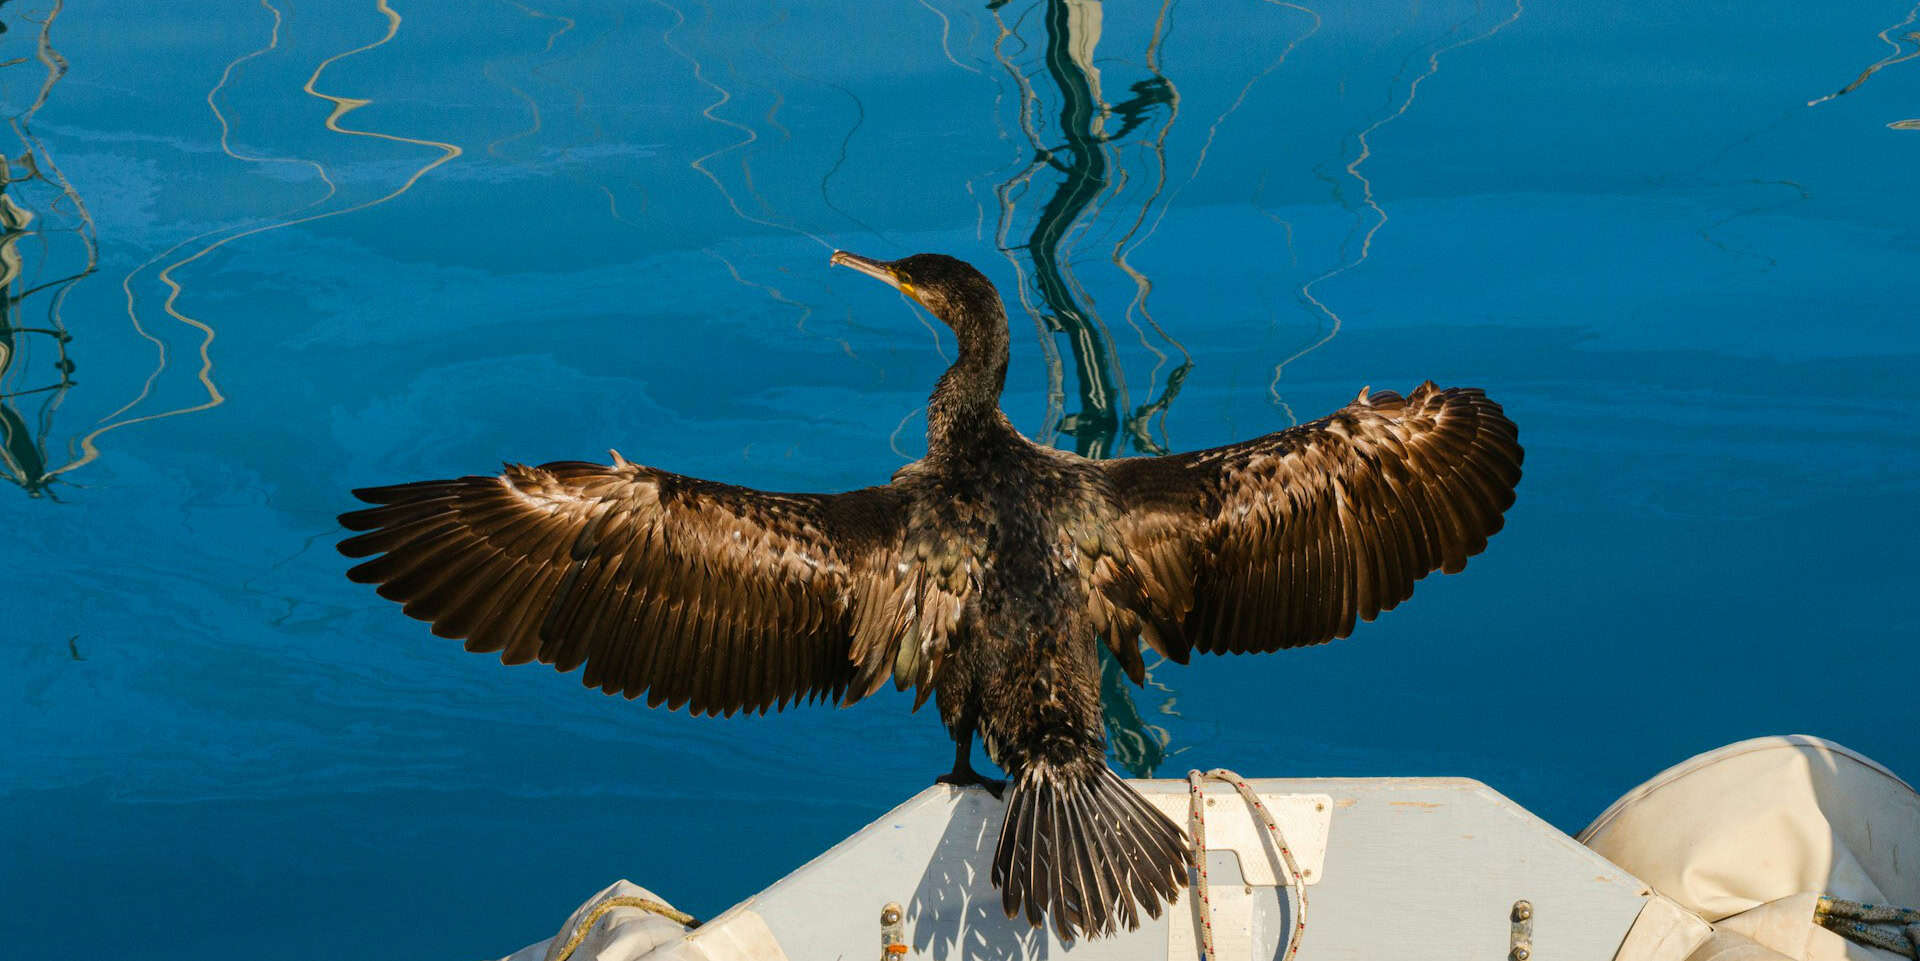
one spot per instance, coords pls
(963, 773)
(963, 778)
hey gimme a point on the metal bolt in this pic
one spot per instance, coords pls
(893, 935)
(1522, 934)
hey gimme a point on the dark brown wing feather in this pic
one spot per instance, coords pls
(1285, 540)
(715, 597)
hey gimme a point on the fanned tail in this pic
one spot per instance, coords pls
(1086, 849)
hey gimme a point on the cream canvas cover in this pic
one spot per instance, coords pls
(1751, 835)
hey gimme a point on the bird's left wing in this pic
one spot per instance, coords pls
(1284, 540)
(716, 597)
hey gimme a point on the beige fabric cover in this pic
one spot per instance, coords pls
(1732, 946)
(1664, 931)
(1749, 835)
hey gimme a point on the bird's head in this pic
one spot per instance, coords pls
(947, 287)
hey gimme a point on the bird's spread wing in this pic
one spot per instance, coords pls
(1284, 540)
(717, 597)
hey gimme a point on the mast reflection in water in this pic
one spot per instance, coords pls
(1081, 158)
(45, 223)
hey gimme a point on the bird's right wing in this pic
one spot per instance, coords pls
(717, 597)
(1284, 540)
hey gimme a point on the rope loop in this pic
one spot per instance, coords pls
(581, 930)
(1197, 829)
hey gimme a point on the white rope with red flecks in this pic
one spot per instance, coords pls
(1197, 827)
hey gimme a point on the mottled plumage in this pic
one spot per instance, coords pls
(981, 576)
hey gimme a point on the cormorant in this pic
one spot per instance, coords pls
(982, 575)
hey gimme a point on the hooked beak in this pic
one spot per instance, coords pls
(878, 270)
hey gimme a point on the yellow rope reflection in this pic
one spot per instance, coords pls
(342, 107)
(1897, 56)
(226, 147)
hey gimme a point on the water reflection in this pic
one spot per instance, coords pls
(1371, 216)
(1080, 151)
(1087, 173)
(1071, 186)
(44, 220)
(115, 421)
(343, 105)
(1900, 54)
(491, 71)
(87, 447)
(563, 159)
(748, 135)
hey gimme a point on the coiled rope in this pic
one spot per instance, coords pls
(581, 930)
(1874, 925)
(1197, 828)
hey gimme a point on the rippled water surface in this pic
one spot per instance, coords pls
(258, 254)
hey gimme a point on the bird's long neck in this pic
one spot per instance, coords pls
(965, 407)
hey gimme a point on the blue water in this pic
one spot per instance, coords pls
(490, 231)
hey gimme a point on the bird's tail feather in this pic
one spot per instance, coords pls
(1086, 849)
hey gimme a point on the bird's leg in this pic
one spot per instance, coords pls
(963, 773)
